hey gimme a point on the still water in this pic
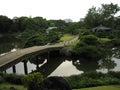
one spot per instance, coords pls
(59, 66)
(66, 67)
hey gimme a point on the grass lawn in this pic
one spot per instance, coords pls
(66, 37)
(74, 44)
(113, 87)
(104, 40)
(7, 87)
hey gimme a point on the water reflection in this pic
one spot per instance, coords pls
(86, 65)
(66, 69)
(116, 52)
(62, 66)
(107, 63)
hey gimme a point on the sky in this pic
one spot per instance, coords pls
(50, 9)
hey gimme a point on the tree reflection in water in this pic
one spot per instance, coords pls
(93, 65)
(116, 52)
(44, 65)
(38, 59)
(107, 62)
(86, 65)
(47, 65)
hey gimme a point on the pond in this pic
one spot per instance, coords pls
(62, 66)
(59, 65)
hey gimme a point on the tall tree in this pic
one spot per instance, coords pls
(93, 18)
(104, 15)
(5, 24)
(108, 13)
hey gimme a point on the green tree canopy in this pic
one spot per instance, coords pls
(104, 15)
(5, 24)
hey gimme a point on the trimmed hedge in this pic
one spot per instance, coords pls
(11, 78)
(93, 79)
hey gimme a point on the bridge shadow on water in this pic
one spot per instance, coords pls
(48, 62)
(45, 63)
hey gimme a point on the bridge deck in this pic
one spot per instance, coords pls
(11, 57)
(15, 56)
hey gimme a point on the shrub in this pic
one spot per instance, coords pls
(114, 74)
(109, 80)
(90, 40)
(93, 79)
(83, 33)
(103, 33)
(115, 42)
(35, 40)
(33, 80)
(13, 78)
(94, 75)
(91, 52)
(1, 79)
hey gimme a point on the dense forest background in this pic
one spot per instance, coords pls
(106, 15)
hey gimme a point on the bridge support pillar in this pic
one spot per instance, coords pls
(25, 67)
(37, 64)
(14, 69)
(5, 71)
(48, 57)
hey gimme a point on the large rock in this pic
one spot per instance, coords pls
(55, 83)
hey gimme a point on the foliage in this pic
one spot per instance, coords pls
(6, 86)
(92, 19)
(35, 40)
(115, 42)
(57, 23)
(93, 79)
(33, 80)
(72, 45)
(112, 87)
(103, 33)
(88, 47)
(53, 36)
(104, 15)
(104, 40)
(90, 40)
(5, 24)
(66, 37)
(72, 28)
(116, 34)
(11, 78)
(1, 79)
(88, 52)
(83, 32)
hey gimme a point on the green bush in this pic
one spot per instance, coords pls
(35, 40)
(103, 33)
(115, 42)
(33, 80)
(90, 40)
(88, 48)
(94, 75)
(88, 52)
(13, 78)
(84, 33)
(93, 79)
(1, 79)
(114, 74)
